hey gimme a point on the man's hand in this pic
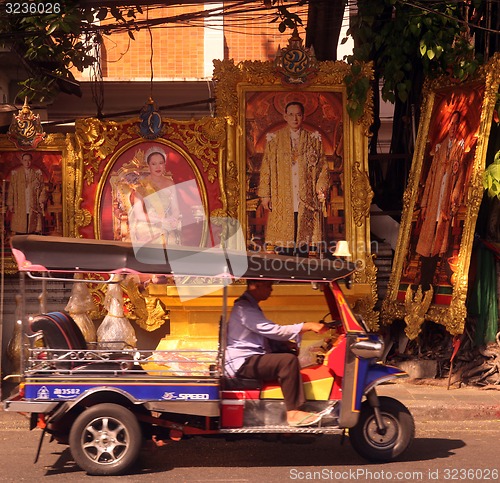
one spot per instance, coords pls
(317, 327)
(266, 204)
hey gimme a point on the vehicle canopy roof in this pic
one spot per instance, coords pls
(36, 253)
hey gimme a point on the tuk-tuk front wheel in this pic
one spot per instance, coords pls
(376, 445)
(105, 440)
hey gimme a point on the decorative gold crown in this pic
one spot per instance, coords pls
(155, 150)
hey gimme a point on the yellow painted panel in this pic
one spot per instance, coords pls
(318, 390)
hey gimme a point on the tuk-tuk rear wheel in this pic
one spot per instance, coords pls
(105, 440)
(375, 445)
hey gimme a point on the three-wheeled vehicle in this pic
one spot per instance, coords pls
(106, 401)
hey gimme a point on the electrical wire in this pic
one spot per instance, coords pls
(151, 66)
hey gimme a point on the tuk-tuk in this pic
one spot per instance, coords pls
(105, 401)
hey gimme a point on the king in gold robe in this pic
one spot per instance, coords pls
(294, 171)
(443, 190)
(443, 194)
(25, 199)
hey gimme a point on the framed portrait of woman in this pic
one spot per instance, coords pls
(34, 190)
(441, 203)
(151, 191)
(299, 163)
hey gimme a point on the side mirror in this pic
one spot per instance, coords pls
(368, 349)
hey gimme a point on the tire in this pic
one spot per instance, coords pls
(400, 430)
(105, 440)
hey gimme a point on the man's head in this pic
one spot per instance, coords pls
(454, 123)
(26, 160)
(260, 289)
(294, 115)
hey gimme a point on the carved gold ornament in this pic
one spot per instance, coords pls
(203, 139)
(25, 130)
(295, 63)
(82, 218)
(148, 311)
(362, 194)
(98, 140)
(416, 305)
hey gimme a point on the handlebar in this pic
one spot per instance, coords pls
(334, 324)
(339, 326)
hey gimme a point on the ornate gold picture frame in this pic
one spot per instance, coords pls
(254, 97)
(47, 177)
(441, 204)
(114, 161)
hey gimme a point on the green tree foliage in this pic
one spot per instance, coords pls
(52, 44)
(402, 37)
(491, 180)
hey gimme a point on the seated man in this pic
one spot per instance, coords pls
(248, 352)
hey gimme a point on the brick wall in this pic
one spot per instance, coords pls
(179, 46)
(252, 41)
(177, 50)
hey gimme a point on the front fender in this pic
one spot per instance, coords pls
(365, 375)
(378, 373)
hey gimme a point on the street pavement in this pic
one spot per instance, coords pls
(430, 399)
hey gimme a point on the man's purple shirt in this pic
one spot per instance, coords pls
(248, 331)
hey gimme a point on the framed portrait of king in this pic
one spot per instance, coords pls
(294, 146)
(299, 162)
(35, 186)
(441, 204)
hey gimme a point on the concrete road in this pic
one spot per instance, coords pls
(442, 451)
